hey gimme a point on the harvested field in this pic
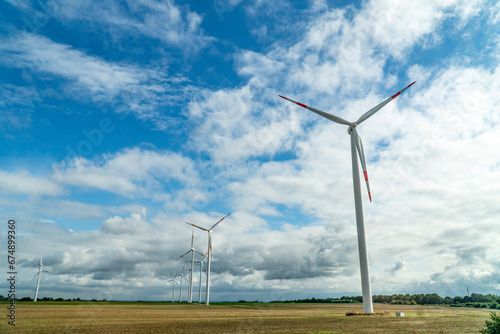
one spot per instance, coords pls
(239, 318)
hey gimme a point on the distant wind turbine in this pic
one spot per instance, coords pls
(357, 150)
(209, 255)
(174, 283)
(39, 274)
(201, 270)
(192, 251)
(181, 275)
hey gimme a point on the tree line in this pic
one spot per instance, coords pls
(476, 300)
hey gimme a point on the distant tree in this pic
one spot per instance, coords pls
(493, 325)
(25, 299)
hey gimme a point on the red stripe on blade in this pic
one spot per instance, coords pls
(283, 97)
(396, 95)
(302, 105)
(366, 175)
(370, 195)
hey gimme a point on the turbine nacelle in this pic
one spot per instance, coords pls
(351, 127)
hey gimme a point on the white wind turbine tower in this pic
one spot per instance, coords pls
(201, 270)
(39, 274)
(192, 251)
(209, 254)
(357, 150)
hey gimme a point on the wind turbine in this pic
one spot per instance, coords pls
(39, 274)
(192, 251)
(181, 275)
(209, 254)
(173, 286)
(357, 150)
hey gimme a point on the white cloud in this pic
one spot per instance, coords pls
(132, 172)
(125, 87)
(23, 182)
(238, 125)
(42, 54)
(174, 25)
(130, 225)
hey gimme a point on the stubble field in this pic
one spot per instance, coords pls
(238, 318)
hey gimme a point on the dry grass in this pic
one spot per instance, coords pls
(240, 318)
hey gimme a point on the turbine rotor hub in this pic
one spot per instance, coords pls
(351, 127)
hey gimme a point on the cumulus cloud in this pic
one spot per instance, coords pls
(132, 172)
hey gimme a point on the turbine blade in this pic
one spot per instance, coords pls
(200, 253)
(361, 154)
(201, 228)
(220, 221)
(373, 110)
(35, 276)
(183, 255)
(326, 115)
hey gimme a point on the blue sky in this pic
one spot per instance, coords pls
(122, 120)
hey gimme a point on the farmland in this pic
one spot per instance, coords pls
(111, 317)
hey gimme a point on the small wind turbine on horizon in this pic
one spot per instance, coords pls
(357, 151)
(39, 274)
(192, 251)
(209, 254)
